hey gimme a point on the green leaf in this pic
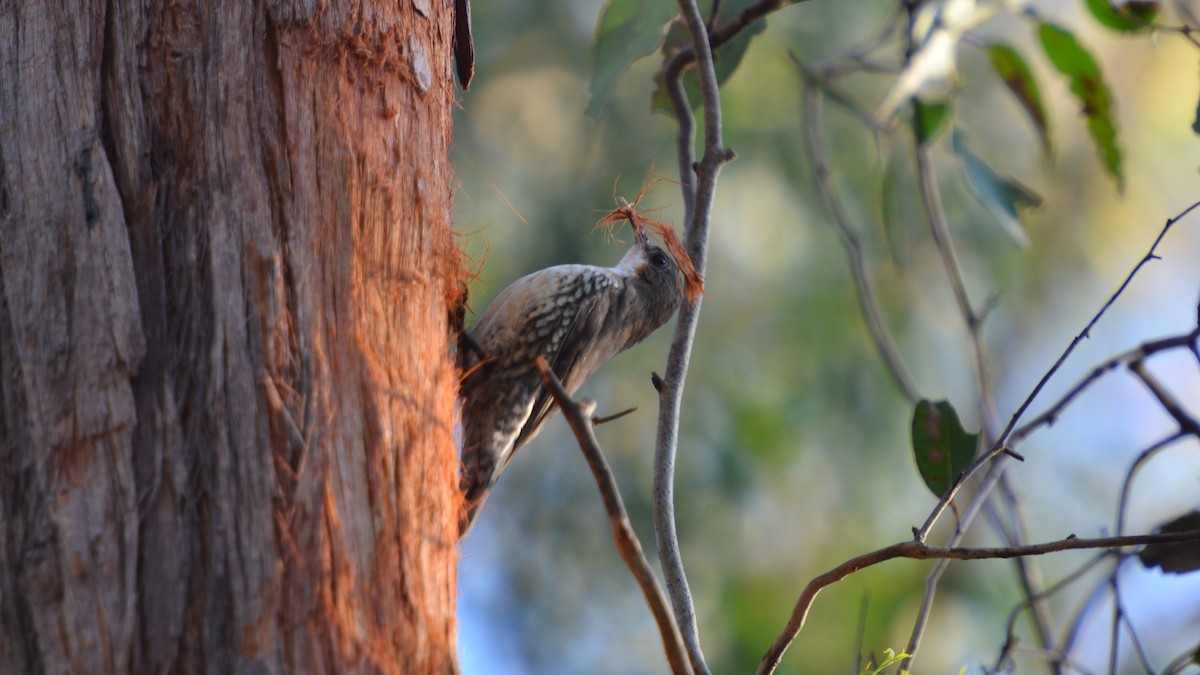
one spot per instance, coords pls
(1129, 17)
(626, 31)
(929, 119)
(1018, 77)
(943, 449)
(726, 58)
(1178, 558)
(1002, 197)
(1087, 84)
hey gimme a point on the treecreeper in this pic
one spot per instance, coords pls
(577, 317)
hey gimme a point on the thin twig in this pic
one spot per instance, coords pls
(860, 633)
(747, 18)
(1007, 435)
(1139, 353)
(935, 214)
(597, 421)
(1087, 330)
(1016, 533)
(1184, 420)
(1181, 662)
(669, 389)
(1075, 626)
(878, 330)
(960, 532)
(626, 540)
(1127, 484)
(685, 137)
(868, 304)
(931, 199)
(1072, 632)
(885, 345)
(1114, 641)
(1010, 641)
(1121, 617)
(916, 550)
(836, 95)
(1166, 399)
(859, 60)
(1029, 574)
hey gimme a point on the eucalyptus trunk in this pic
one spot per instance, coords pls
(226, 272)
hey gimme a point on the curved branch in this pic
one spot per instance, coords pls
(625, 539)
(917, 550)
(1127, 484)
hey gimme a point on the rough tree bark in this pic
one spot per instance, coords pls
(226, 266)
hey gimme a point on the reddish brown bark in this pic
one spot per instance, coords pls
(226, 266)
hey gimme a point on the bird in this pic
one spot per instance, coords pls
(575, 316)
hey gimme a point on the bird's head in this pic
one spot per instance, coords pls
(669, 262)
(663, 275)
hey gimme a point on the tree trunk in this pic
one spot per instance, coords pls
(226, 267)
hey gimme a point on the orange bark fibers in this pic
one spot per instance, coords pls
(639, 220)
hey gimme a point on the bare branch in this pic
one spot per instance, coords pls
(1114, 642)
(597, 421)
(719, 36)
(881, 336)
(1028, 573)
(1029, 576)
(1127, 485)
(1010, 642)
(699, 183)
(995, 473)
(1140, 353)
(1075, 626)
(1185, 421)
(1120, 616)
(748, 17)
(917, 550)
(1166, 399)
(1180, 663)
(1086, 332)
(626, 540)
(1008, 435)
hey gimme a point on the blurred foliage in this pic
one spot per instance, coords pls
(1087, 83)
(794, 452)
(1019, 78)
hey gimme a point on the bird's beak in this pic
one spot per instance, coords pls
(640, 234)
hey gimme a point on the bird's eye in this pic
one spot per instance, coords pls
(658, 259)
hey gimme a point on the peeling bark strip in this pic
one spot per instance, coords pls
(226, 267)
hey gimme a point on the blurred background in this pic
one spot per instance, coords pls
(794, 452)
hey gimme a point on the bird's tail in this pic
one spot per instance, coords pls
(475, 491)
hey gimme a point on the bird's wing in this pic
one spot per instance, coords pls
(579, 355)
